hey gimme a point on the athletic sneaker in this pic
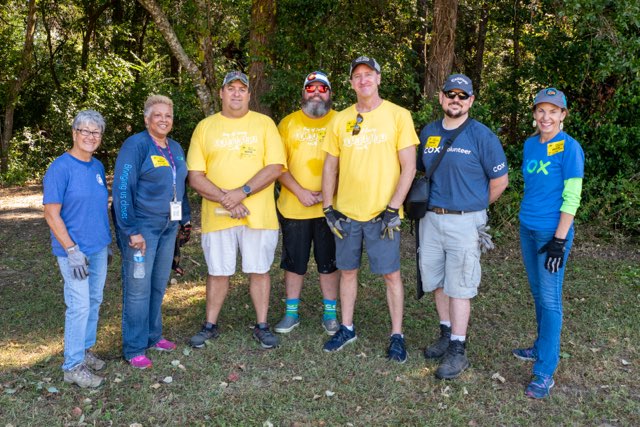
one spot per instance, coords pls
(164, 345)
(265, 337)
(199, 339)
(454, 361)
(330, 326)
(340, 339)
(287, 324)
(526, 354)
(140, 362)
(92, 361)
(540, 387)
(438, 348)
(82, 376)
(396, 350)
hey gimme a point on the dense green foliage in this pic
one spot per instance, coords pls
(110, 59)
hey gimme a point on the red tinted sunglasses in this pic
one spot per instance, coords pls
(321, 89)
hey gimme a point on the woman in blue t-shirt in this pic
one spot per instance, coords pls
(75, 207)
(553, 168)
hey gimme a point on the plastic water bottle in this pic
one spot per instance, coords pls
(138, 265)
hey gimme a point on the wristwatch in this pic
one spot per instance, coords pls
(246, 190)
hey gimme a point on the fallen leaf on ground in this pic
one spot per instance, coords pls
(446, 391)
(316, 396)
(498, 377)
(465, 391)
(76, 412)
(155, 386)
(625, 362)
(233, 377)
(329, 393)
(224, 385)
(52, 390)
(594, 349)
(167, 380)
(175, 363)
(267, 424)
(298, 378)
(186, 351)
(117, 380)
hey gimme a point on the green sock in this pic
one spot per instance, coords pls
(292, 307)
(329, 309)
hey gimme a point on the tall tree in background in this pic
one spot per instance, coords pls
(441, 46)
(263, 24)
(23, 72)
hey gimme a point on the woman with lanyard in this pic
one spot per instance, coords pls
(553, 169)
(149, 201)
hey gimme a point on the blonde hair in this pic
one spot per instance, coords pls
(154, 100)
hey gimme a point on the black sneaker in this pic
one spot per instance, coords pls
(396, 350)
(265, 337)
(340, 339)
(454, 361)
(199, 339)
(438, 348)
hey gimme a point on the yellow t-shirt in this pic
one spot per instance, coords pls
(230, 152)
(369, 168)
(302, 138)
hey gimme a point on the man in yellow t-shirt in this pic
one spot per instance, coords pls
(371, 145)
(234, 159)
(300, 203)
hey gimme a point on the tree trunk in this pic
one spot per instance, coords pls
(165, 28)
(263, 24)
(23, 73)
(441, 47)
(513, 119)
(478, 61)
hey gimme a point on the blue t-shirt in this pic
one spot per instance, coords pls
(80, 187)
(143, 182)
(545, 167)
(461, 181)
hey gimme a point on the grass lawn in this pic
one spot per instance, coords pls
(233, 381)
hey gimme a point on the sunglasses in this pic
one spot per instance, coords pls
(452, 95)
(356, 127)
(312, 89)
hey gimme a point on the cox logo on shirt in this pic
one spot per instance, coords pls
(537, 166)
(499, 167)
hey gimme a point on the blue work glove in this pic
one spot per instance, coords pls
(390, 218)
(78, 263)
(334, 220)
(555, 254)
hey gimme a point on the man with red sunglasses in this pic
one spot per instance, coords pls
(300, 203)
(471, 175)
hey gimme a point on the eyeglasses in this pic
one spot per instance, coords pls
(452, 95)
(356, 127)
(321, 88)
(85, 132)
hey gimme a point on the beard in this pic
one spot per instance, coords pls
(316, 107)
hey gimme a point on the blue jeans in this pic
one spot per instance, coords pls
(142, 298)
(83, 299)
(546, 289)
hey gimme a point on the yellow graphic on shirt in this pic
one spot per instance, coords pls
(433, 141)
(247, 151)
(350, 125)
(555, 148)
(159, 161)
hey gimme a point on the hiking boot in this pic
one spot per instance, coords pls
(438, 348)
(140, 362)
(540, 387)
(526, 354)
(94, 362)
(206, 333)
(287, 324)
(396, 350)
(330, 326)
(82, 376)
(164, 345)
(340, 339)
(265, 337)
(454, 361)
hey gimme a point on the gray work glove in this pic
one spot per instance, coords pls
(390, 218)
(485, 239)
(78, 263)
(334, 220)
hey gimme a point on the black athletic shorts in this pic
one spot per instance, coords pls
(297, 236)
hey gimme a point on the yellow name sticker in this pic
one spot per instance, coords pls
(247, 150)
(433, 141)
(555, 148)
(350, 125)
(159, 161)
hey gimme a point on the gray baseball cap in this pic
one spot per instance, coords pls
(460, 82)
(370, 62)
(236, 75)
(552, 96)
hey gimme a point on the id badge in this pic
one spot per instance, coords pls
(176, 211)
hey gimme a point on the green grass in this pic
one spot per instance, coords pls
(233, 382)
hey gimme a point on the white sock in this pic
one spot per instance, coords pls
(460, 338)
(349, 327)
(445, 323)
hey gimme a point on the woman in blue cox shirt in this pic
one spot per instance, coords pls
(553, 169)
(149, 204)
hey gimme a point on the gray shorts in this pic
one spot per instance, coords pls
(384, 254)
(450, 253)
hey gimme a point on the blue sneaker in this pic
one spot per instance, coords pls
(540, 387)
(396, 350)
(526, 354)
(340, 339)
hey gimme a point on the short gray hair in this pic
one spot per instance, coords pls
(89, 117)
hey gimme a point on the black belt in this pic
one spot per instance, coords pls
(443, 211)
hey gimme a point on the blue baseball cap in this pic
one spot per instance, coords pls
(552, 96)
(369, 62)
(460, 82)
